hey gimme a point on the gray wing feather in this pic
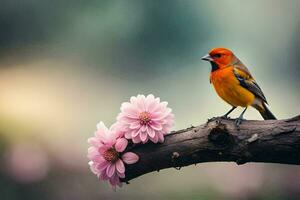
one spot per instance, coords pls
(247, 81)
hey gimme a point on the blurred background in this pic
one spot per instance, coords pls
(66, 65)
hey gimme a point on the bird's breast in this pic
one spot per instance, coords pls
(229, 89)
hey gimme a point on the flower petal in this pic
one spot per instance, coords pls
(133, 100)
(130, 158)
(161, 137)
(136, 139)
(102, 126)
(141, 102)
(94, 141)
(143, 136)
(121, 144)
(113, 181)
(121, 175)
(118, 130)
(103, 176)
(163, 114)
(156, 126)
(110, 170)
(143, 128)
(151, 132)
(135, 125)
(135, 133)
(103, 165)
(127, 135)
(93, 167)
(129, 110)
(120, 166)
(103, 149)
(155, 138)
(149, 102)
(92, 153)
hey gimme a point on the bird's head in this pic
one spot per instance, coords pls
(220, 58)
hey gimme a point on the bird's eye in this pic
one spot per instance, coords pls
(218, 55)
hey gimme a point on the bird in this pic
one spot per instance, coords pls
(234, 83)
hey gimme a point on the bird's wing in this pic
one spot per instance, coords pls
(247, 81)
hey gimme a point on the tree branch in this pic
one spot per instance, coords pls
(271, 141)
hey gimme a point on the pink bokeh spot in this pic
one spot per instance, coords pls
(145, 118)
(106, 154)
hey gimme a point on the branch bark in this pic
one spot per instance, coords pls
(271, 141)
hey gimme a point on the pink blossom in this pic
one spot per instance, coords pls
(107, 159)
(145, 118)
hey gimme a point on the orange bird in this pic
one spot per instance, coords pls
(234, 83)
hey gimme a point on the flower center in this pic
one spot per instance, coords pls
(144, 118)
(111, 155)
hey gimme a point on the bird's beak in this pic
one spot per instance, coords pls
(207, 57)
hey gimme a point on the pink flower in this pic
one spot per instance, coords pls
(145, 118)
(107, 160)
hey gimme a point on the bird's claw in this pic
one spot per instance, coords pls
(238, 121)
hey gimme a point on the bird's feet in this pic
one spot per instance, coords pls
(238, 121)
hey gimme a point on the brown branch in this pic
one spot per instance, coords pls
(271, 141)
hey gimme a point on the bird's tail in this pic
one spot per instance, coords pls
(266, 113)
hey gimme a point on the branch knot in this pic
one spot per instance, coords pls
(220, 136)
